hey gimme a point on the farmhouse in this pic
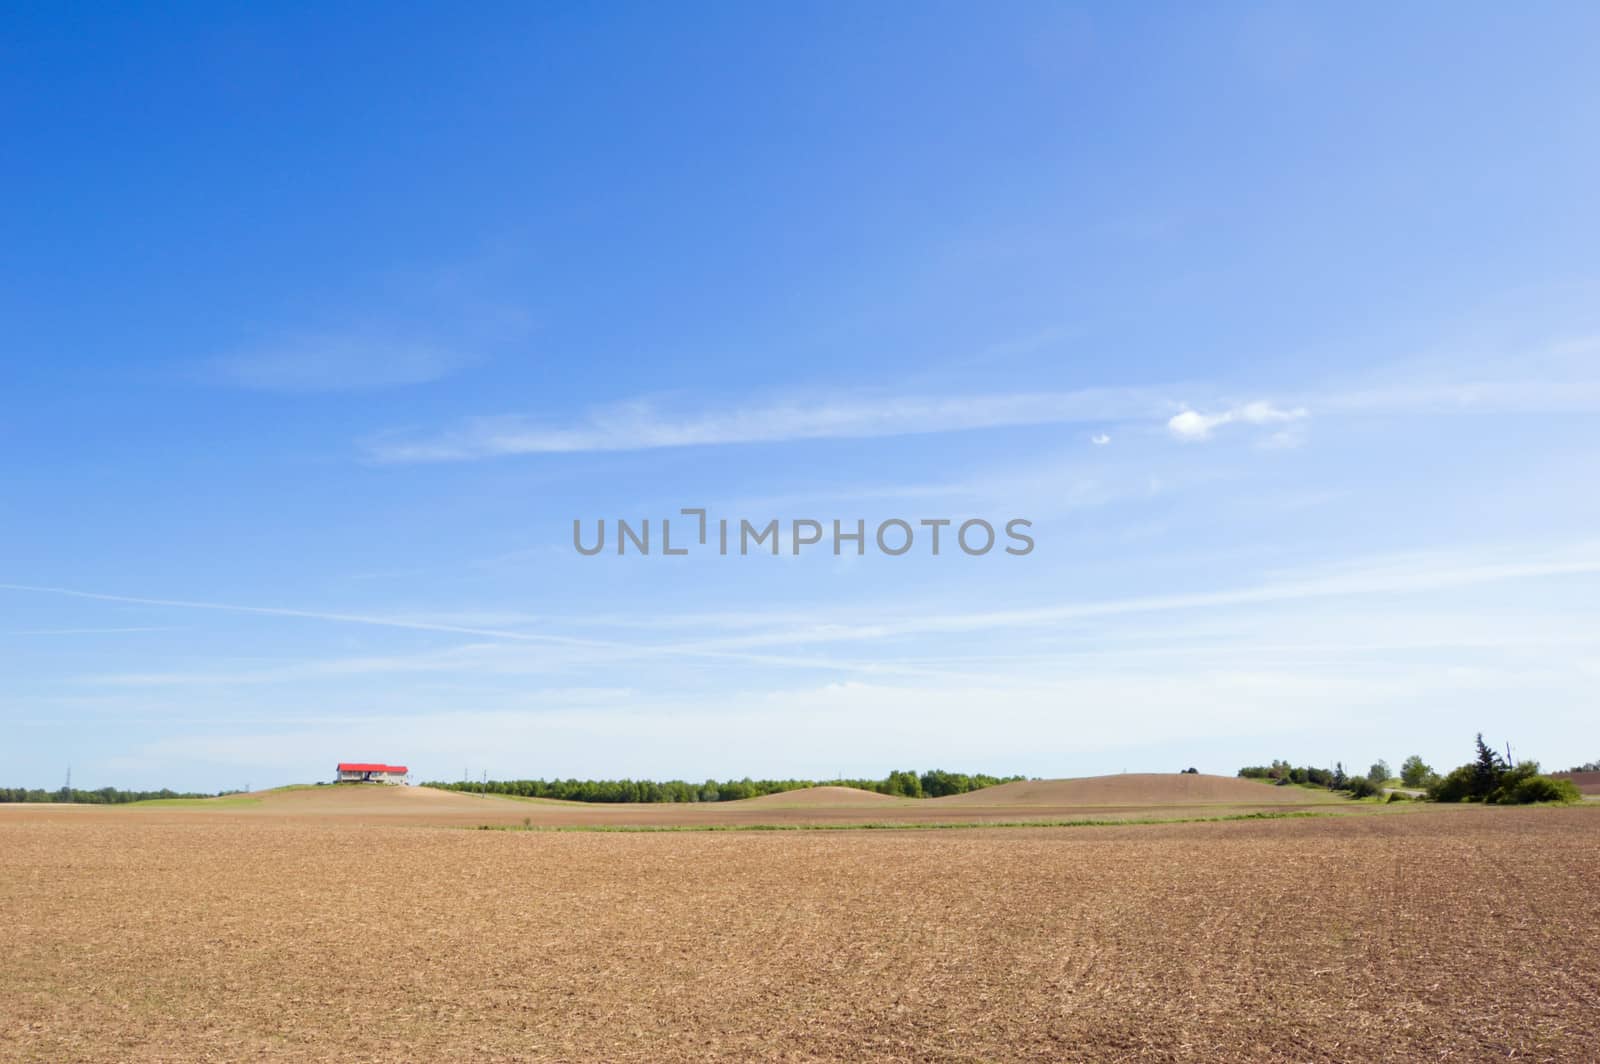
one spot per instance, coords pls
(365, 772)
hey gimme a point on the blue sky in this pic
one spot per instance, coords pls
(320, 329)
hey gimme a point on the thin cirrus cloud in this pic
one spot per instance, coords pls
(1192, 425)
(337, 362)
(643, 425)
(872, 642)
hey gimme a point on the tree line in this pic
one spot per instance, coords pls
(934, 783)
(99, 796)
(1284, 774)
(1487, 778)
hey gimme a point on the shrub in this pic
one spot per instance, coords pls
(1362, 787)
(1398, 796)
(1540, 789)
(1456, 786)
(1510, 779)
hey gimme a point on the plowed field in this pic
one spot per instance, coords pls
(166, 934)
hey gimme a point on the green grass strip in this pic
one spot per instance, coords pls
(649, 829)
(226, 802)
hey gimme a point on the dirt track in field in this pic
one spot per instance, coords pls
(1454, 934)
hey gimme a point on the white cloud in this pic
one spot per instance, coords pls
(1283, 439)
(1192, 425)
(1100, 439)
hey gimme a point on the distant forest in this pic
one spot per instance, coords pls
(101, 796)
(932, 784)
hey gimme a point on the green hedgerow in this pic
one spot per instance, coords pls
(1540, 789)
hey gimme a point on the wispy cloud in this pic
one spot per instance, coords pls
(747, 638)
(89, 631)
(1191, 425)
(1557, 378)
(414, 624)
(337, 362)
(642, 424)
(792, 730)
(1508, 385)
(1369, 577)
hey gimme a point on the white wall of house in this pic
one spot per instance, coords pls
(375, 777)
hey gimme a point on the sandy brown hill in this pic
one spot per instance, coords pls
(811, 796)
(1133, 788)
(365, 798)
(1586, 782)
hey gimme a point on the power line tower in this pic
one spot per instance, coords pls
(66, 789)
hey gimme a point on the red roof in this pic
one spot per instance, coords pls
(362, 766)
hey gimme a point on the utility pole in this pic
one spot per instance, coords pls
(66, 791)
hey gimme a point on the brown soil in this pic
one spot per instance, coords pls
(1586, 782)
(1135, 788)
(175, 935)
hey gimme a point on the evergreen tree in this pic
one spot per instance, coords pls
(1486, 770)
